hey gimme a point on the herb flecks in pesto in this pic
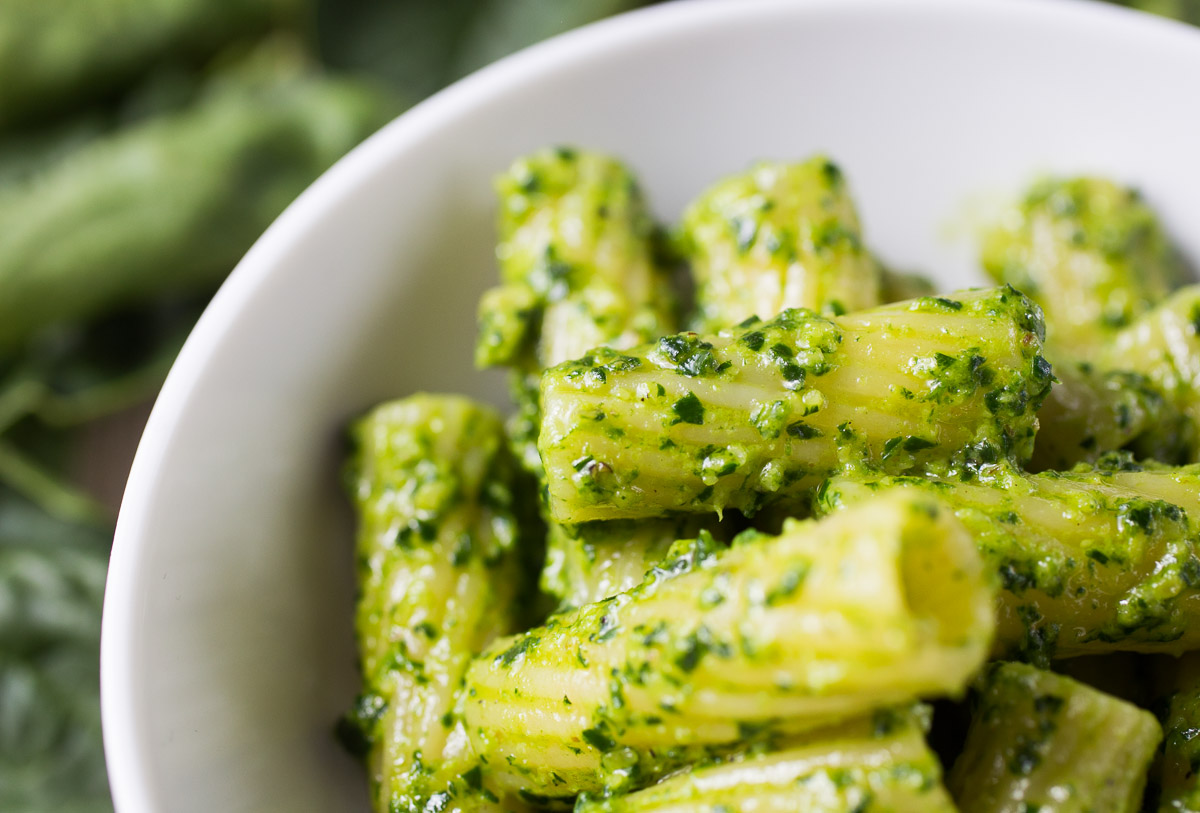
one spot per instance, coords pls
(1090, 252)
(775, 237)
(579, 266)
(774, 394)
(1091, 560)
(688, 409)
(440, 512)
(749, 619)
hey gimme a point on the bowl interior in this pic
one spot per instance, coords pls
(227, 648)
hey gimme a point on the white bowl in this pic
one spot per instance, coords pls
(227, 650)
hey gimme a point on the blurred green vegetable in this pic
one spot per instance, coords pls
(51, 583)
(503, 26)
(172, 204)
(57, 53)
(420, 46)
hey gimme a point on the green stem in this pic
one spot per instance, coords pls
(56, 498)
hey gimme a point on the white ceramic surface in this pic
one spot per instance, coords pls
(227, 649)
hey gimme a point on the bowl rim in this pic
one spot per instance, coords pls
(126, 747)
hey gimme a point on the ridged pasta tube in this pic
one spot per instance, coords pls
(892, 771)
(1179, 485)
(589, 562)
(1090, 412)
(1090, 252)
(775, 237)
(1088, 562)
(1164, 345)
(823, 623)
(578, 270)
(764, 412)
(1176, 779)
(1043, 742)
(438, 541)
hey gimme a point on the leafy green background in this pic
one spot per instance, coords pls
(63, 382)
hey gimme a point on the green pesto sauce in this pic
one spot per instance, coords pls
(749, 235)
(1127, 560)
(580, 267)
(1090, 252)
(980, 413)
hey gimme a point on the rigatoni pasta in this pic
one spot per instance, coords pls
(763, 413)
(1043, 742)
(775, 237)
(1087, 563)
(1090, 252)
(579, 269)
(874, 765)
(825, 622)
(963, 466)
(439, 539)
(1164, 343)
(1176, 781)
(589, 562)
(1091, 412)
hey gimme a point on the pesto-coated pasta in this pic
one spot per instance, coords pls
(764, 412)
(1088, 563)
(973, 500)
(1089, 412)
(1164, 344)
(777, 236)
(1043, 742)
(439, 535)
(1090, 252)
(578, 270)
(1179, 485)
(589, 562)
(823, 623)
(884, 770)
(1176, 779)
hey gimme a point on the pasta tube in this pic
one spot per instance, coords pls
(1043, 742)
(1088, 563)
(885, 770)
(439, 533)
(578, 270)
(1090, 252)
(1089, 412)
(589, 562)
(823, 623)
(1179, 485)
(778, 236)
(578, 266)
(763, 413)
(1164, 344)
(1177, 776)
